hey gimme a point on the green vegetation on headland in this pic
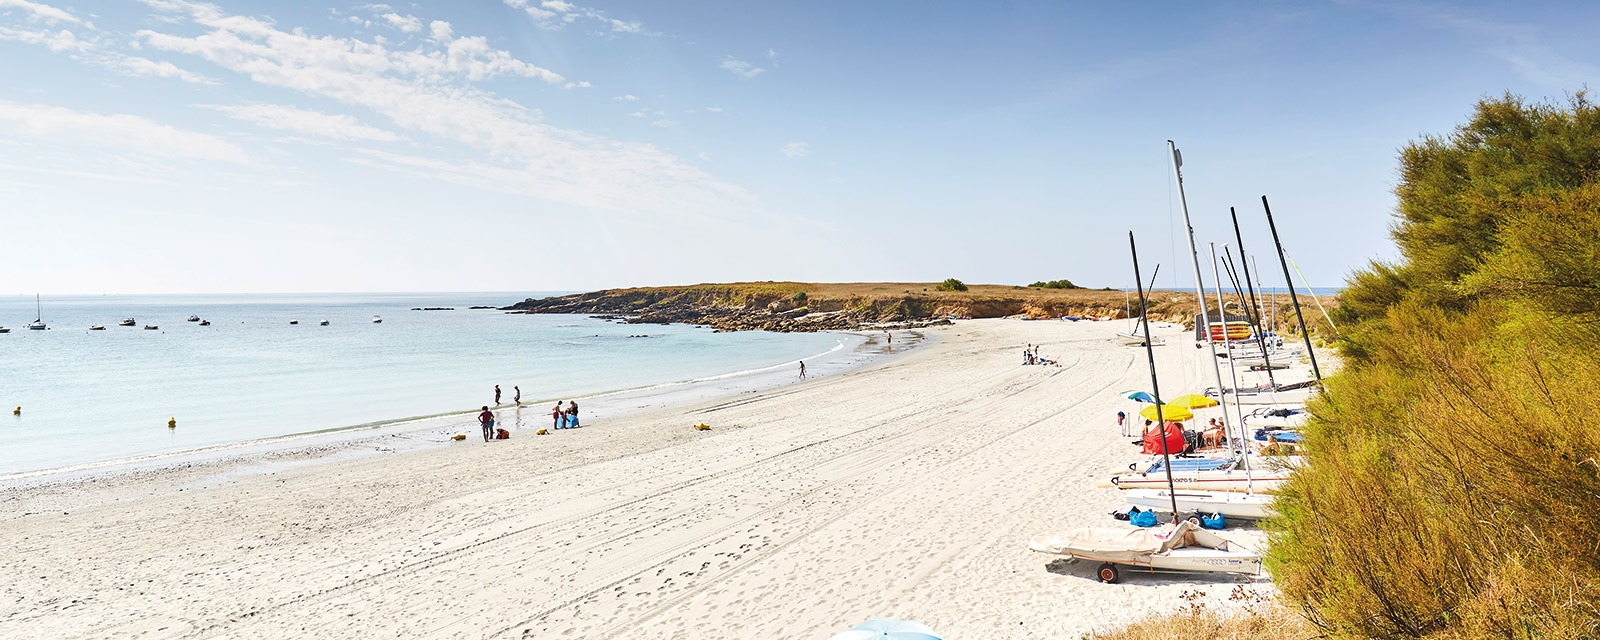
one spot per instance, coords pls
(1453, 485)
(801, 306)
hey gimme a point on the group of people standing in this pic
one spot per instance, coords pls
(561, 417)
(1030, 355)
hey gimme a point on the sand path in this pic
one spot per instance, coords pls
(907, 489)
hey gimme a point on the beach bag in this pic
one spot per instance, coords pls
(1124, 512)
(502, 435)
(1213, 521)
(1143, 518)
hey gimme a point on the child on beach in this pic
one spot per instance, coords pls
(487, 420)
(516, 394)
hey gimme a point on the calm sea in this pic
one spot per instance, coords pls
(89, 396)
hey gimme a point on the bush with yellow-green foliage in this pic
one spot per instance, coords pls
(1453, 489)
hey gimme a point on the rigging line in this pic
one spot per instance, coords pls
(1314, 296)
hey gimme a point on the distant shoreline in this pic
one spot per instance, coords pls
(413, 432)
(805, 307)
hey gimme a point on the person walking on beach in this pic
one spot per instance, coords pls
(516, 394)
(556, 415)
(497, 395)
(487, 420)
(572, 414)
(802, 369)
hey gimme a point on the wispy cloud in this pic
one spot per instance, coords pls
(337, 127)
(714, 109)
(428, 91)
(41, 12)
(406, 23)
(626, 98)
(1522, 46)
(664, 123)
(556, 14)
(796, 150)
(96, 49)
(741, 68)
(584, 84)
(123, 131)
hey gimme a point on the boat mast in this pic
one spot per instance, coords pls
(1253, 308)
(1155, 387)
(1199, 287)
(1238, 410)
(1292, 297)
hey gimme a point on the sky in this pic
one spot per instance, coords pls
(168, 146)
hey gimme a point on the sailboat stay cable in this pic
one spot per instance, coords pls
(1238, 411)
(1261, 340)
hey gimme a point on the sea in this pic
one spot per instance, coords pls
(92, 396)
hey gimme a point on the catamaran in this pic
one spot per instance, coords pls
(1181, 546)
(1297, 393)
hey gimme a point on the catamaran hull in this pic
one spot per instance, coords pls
(1207, 480)
(1248, 506)
(1296, 396)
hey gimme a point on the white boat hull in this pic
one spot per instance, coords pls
(1248, 506)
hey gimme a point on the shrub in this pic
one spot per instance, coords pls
(1452, 489)
(1055, 284)
(799, 298)
(952, 284)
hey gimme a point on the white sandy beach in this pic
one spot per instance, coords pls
(904, 489)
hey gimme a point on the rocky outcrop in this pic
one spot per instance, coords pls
(798, 306)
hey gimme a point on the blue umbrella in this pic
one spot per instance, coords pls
(1138, 396)
(889, 630)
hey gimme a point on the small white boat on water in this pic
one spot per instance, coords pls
(1183, 547)
(1231, 504)
(4, 330)
(294, 322)
(323, 323)
(1212, 474)
(151, 327)
(127, 322)
(377, 319)
(38, 321)
(193, 318)
(97, 327)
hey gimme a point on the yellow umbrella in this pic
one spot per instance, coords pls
(1192, 401)
(1168, 412)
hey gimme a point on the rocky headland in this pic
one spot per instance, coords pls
(799, 306)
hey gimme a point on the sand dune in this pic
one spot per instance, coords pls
(906, 489)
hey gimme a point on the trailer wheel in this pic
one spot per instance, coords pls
(1108, 573)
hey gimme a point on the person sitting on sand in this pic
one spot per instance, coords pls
(487, 420)
(572, 414)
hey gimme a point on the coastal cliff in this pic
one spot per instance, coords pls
(800, 306)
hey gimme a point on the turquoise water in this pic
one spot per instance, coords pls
(89, 396)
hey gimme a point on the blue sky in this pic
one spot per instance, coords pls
(174, 146)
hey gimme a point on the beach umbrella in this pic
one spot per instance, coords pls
(1138, 396)
(889, 630)
(1192, 401)
(1168, 412)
